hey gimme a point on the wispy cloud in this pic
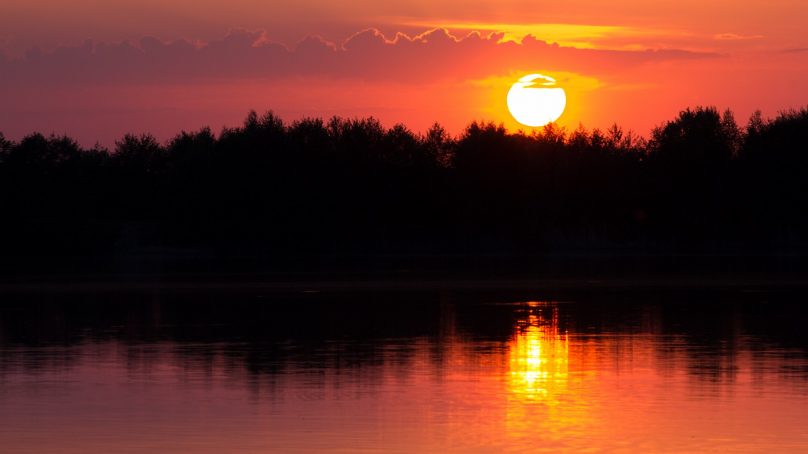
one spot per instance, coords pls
(736, 37)
(584, 36)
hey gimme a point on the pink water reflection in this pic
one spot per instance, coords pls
(543, 389)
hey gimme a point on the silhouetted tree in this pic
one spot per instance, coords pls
(439, 145)
(698, 139)
(773, 169)
(5, 147)
(139, 153)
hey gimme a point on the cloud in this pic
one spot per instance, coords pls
(736, 37)
(248, 54)
(566, 34)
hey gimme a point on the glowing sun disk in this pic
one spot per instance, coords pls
(535, 100)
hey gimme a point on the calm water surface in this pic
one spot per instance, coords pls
(403, 372)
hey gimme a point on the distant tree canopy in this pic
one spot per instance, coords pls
(315, 188)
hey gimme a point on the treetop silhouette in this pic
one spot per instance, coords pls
(325, 188)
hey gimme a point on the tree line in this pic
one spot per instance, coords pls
(700, 184)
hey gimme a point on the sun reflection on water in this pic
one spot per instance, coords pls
(539, 355)
(544, 400)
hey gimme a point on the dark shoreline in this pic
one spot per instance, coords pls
(560, 273)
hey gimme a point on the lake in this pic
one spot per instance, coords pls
(481, 369)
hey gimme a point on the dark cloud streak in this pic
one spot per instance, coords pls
(242, 54)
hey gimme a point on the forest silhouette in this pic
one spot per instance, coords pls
(313, 190)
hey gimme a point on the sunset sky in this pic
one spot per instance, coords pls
(96, 69)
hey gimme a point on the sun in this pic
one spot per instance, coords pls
(535, 100)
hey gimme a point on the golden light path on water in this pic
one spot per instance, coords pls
(539, 357)
(540, 394)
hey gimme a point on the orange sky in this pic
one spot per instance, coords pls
(96, 69)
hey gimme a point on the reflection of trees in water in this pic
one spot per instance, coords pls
(540, 347)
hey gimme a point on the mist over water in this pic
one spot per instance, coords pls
(416, 371)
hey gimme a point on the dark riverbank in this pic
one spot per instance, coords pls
(562, 274)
